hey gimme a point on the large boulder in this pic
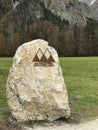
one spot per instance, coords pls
(35, 85)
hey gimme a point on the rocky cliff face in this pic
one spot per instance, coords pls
(89, 2)
(19, 15)
(72, 11)
(24, 20)
(94, 9)
(93, 5)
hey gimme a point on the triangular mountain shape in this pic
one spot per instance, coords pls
(36, 59)
(43, 59)
(51, 59)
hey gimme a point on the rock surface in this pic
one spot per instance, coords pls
(93, 5)
(31, 11)
(89, 2)
(71, 10)
(94, 10)
(36, 92)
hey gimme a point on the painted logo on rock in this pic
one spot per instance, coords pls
(43, 58)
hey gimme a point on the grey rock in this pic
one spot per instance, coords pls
(93, 5)
(26, 12)
(70, 10)
(94, 10)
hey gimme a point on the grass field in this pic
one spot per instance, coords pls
(5, 64)
(81, 78)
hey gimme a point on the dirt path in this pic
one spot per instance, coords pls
(91, 125)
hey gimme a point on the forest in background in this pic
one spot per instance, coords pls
(69, 40)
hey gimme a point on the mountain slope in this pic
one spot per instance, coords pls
(53, 20)
(89, 2)
(21, 14)
(94, 9)
(93, 5)
(72, 11)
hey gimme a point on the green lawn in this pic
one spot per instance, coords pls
(5, 64)
(81, 78)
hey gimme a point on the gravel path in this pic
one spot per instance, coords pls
(91, 125)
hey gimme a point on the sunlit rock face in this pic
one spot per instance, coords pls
(73, 11)
(35, 85)
(89, 2)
